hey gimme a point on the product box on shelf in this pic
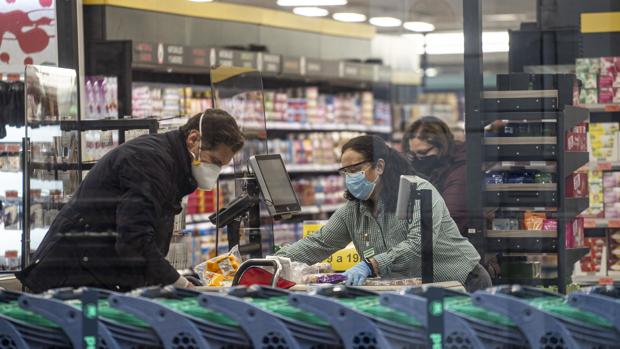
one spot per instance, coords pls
(591, 262)
(575, 233)
(614, 250)
(577, 185)
(587, 65)
(611, 194)
(577, 139)
(595, 184)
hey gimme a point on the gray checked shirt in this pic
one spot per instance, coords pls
(396, 244)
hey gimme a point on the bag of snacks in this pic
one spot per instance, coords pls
(220, 270)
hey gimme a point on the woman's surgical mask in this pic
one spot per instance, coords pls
(360, 187)
(205, 174)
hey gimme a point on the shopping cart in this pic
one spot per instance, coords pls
(547, 320)
(603, 301)
(465, 325)
(179, 320)
(270, 321)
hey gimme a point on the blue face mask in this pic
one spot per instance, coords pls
(359, 186)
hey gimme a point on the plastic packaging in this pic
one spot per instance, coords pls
(334, 278)
(220, 270)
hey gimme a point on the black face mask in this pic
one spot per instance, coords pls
(426, 165)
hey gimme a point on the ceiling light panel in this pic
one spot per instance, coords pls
(292, 3)
(420, 27)
(310, 11)
(386, 22)
(349, 17)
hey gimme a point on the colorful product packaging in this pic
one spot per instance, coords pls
(533, 220)
(575, 233)
(592, 261)
(577, 185)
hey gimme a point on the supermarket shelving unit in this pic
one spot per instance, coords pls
(549, 105)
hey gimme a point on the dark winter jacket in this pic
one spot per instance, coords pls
(115, 231)
(450, 179)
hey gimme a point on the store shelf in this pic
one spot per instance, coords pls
(100, 125)
(523, 152)
(549, 166)
(521, 198)
(595, 279)
(604, 166)
(314, 209)
(603, 112)
(575, 160)
(525, 245)
(531, 116)
(594, 223)
(519, 140)
(522, 187)
(520, 234)
(575, 206)
(297, 169)
(313, 127)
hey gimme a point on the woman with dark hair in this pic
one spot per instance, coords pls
(389, 247)
(430, 146)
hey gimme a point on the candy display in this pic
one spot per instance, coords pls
(101, 97)
(611, 194)
(600, 79)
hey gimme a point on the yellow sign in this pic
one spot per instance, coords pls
(341, 260)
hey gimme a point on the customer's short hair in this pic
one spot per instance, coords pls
(218, 127)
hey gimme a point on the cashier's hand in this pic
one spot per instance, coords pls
(357, 274)
(182, 282)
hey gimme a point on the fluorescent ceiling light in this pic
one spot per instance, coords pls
(420, 27)
(310, 11)
(387, 22)
(349, 17)
(432, 72)
(312, 2)
(201, 0)
(454, 43)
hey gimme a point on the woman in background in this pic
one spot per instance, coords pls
(434, 153)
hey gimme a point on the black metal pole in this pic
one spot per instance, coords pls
(426, 232)
(472, 29)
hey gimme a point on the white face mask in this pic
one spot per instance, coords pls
(205, 174)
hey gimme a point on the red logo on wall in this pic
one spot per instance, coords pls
(27, 34)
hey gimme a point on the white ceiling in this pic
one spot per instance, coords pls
(446, 15)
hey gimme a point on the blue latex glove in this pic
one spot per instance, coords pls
(357, 274)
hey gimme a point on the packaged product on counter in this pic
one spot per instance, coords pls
(393, 282)
(220, 270)
(332, 278)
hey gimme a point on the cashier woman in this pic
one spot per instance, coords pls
(115, 231)
(389, 247)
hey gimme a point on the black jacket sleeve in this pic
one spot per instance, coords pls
(142, 180)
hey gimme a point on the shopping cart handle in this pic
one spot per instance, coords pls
(259, 263)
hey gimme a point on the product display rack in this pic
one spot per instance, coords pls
(53, 158)
(554, 110)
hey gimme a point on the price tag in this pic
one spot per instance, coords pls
(341, 260)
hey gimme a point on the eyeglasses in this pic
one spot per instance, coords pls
(352, 168)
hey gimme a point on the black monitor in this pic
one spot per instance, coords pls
(275, 185)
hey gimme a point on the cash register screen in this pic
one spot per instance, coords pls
(275, 184)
